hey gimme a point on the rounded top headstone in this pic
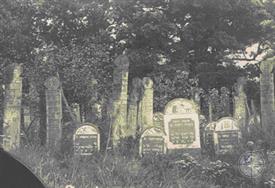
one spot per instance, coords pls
(87, 128)
(226, 124)
(156, 131)
(147, 82)
(181, 106)
(52, 83)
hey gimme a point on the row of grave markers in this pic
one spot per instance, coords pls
(177, 128)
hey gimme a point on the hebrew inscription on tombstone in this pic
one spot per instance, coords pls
(158, 119)
(86, 140)
(181, 122)
(54, 112)
(226, 135)
(152, 141)
(12, 110)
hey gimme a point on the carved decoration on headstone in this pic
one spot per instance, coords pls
(181, 121)
(54, 112)
(227, 135)
(86, 140)
(12, 110)
(119, 99)
(152, 141)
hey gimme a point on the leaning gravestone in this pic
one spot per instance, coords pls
(158, 120)
(54, 112)
(12, 110)
(152, 141)
(181, 122)
(226, 135)
(86, 140)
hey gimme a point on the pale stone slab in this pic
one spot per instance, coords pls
(86, 140)
(54, 112)
(147, 104)
(181, 122)
(119, 99)
(153, 141)
(227, 135)
(12, 110)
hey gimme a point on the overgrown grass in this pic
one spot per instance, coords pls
(116, 169)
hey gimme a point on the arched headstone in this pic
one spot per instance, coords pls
(226, 135)
(152, 141)
(181, 122)
(86, 140)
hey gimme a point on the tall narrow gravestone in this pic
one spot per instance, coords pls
(12, 110)
(227, 135)
(158, 119)
(181, 122)
(86, 140)
(119, 99)
(133, 107)
(208, 137)
(152, 141)
(146, 111)
(240, 110)
(267, 95)
(54, 112)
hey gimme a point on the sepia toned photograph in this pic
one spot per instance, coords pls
(137, 94)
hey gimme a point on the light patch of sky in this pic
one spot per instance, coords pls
(248, 54)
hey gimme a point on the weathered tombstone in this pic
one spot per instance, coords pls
(119, 99)
(86, 140)
(12, 110)
(267, 95)
(226, 135)
(152, 141)
(133, 107)
(208, 136)
(240, 108)
(147, 104)
(158, 119)
(54, 112)
(181, 122)
(76, 111)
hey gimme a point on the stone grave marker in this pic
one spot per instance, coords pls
(226, 135)
(208, 135)
(12, 110)
(119, 99)
(158, 120)
(54, 112)
(152, 141)
(146, 107)
(86, 140)
(181, 122)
